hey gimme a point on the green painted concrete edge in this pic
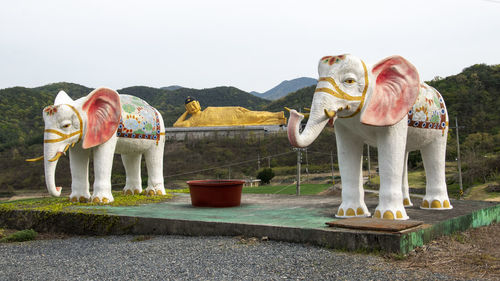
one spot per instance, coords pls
(478, 218)
(104, 224)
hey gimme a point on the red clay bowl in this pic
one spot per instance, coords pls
(215, 193)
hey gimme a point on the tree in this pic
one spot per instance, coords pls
(265, 175)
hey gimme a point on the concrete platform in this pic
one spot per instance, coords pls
(279, 217)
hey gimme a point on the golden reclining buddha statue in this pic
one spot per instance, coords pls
(226, 116)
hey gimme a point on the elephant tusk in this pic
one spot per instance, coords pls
(34, 159)
(307, 109)
(73, 144)
(287, 109)
(330, 114)
(56, 157)
(66, 149)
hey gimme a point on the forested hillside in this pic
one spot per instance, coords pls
(21, 122)
(473, 96)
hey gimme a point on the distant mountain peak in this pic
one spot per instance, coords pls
(286, 87)
(172, 88)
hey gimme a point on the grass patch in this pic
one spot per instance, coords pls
(305, 189)
(60, 204)
(20, 236)
(416, 179)
(184, 190)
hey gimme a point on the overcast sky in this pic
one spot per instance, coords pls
(251, 45)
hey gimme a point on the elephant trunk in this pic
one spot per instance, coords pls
(315, 124)
(51, 156)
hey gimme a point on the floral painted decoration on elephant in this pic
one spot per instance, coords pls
(332, 59)
(139, 120)
(429, 110)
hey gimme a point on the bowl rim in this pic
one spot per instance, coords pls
(215, 183)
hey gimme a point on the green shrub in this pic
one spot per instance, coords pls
(20, 236)
(265, 175)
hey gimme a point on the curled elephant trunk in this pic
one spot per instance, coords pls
(314, 126)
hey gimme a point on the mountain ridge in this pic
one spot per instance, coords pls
(286, 87)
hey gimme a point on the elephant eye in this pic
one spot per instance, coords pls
(349, 81)
(66, 126)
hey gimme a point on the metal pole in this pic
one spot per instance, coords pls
(459, 163)
(258, 162)
(369, 168)
(298, 172)
(331, 162)
(307, 167)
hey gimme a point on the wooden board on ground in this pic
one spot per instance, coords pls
(374, 224)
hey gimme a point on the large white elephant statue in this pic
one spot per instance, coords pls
(387, 107)
(101, 124)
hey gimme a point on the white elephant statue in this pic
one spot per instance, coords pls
(387, 107)
(103, 123)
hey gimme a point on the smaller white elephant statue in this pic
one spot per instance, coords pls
(387, 107)
(103, 123)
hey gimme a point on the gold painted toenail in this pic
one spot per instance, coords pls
(136, 191)
(73, 199)
(96, 200)
(446, 204)
(388, 215)
(158, 192)
(128, 192)
(105, 200)
(406, 202)
(83, 199)
(399, 215)
(377, 214)
(151, 193)
(340, 212)
(436, 204)
(425, 204)
(350, 212)
(360, 211)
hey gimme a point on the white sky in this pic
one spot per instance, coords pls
(252, 45)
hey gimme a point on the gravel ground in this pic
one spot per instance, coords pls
(190, 258)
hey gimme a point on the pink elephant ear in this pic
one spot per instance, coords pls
(396, 88)
(103, 115)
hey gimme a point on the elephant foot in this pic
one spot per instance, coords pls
(132, 191)
(407, 202)
(346, 211)
(390, 214)
(79, 198)
(436, 203)
(104, 199)
(157, 190)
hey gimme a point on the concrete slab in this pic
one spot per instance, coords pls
(279, 217)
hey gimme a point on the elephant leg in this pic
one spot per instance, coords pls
(154, 165)
(132, 164)
(350, 151)
(79, 164)
(391, 143)
(404, 185)
(436, 193)
(103, 162)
